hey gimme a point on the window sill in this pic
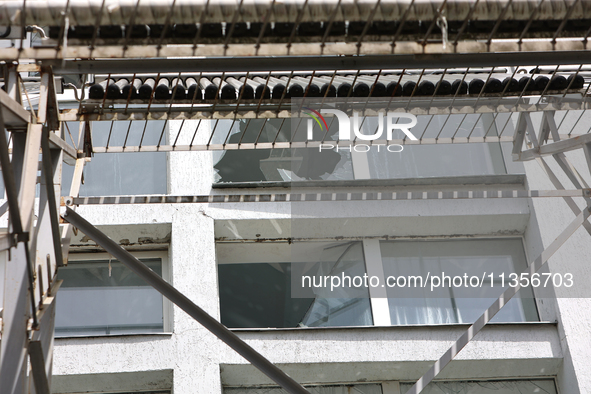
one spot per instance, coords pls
(504, 179)
(153, 334)
(399, 327)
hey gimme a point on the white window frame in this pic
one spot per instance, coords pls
(374, 266)
(372, 254)
(166, 275)
(393, 386)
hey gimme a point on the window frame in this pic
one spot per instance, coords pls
(167, 306)
(378, 298)
(393, 386)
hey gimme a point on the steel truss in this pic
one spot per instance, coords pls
(28, 329)
(33, 236)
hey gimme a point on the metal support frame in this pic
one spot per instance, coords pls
(29, 300)
(568, 199)
(84, 131)
(444, 107)
(48, 173)
(328, 63)
(175, 296)
(38, 366)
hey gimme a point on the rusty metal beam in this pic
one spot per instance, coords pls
(254, 63)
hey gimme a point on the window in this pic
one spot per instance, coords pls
(130, 392)
(337, 389)
(112, 174)
(455, 304)
(533, 386)
(259, 293)
(416, 161)
(103, 297)
(278, 284)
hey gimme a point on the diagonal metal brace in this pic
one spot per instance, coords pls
(475, 328)
(180, 300)
(38, 367)
(51, 200)
(9, 182)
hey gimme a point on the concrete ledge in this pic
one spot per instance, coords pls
(398, 353)
(505, 179)
(126, 381)
(144, 236)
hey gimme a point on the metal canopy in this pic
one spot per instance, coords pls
(115, 12)
(502, 92)
(164, 28)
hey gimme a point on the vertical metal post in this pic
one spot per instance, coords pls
(12, 85)
(48, 174)
(15, 318)
(15, 313)
(38, 367)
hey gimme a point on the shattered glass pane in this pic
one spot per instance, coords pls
(259, 294)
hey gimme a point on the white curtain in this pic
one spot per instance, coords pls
(421, 305)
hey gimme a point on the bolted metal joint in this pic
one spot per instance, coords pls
(22, 237)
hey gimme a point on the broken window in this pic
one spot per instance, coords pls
(415, 161)
(259, 294)
(279, 284)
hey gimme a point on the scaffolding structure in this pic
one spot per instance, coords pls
(233, 60)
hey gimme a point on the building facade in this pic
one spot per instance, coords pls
(375, 197)
(220, 255)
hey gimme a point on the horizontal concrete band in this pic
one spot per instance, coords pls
(311, 197)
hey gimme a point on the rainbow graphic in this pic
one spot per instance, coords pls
(315, 115)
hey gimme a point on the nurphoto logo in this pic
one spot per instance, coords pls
(349, 128)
